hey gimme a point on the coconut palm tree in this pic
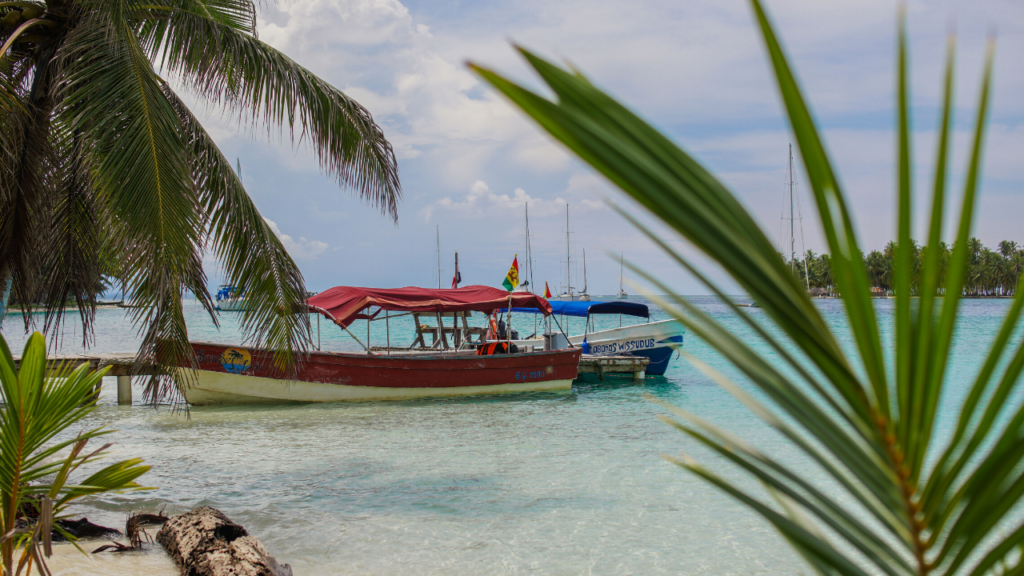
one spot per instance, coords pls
(104, 162)
(878, 270)
(901, 496)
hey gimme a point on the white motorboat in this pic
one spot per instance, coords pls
(654, 340)
(230, 299)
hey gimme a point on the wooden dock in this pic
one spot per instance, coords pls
(120, 366)
(601, 365)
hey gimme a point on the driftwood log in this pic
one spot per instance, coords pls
(203, 542)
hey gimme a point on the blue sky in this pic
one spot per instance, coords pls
(694, 69)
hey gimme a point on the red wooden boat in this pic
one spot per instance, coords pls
(238, 375)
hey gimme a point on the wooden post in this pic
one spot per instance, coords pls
(456, 341)
(440, 330)
(124, 390)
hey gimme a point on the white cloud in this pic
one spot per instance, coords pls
(482, 201)
(300, 249)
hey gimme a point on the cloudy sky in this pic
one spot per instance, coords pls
(696, 69)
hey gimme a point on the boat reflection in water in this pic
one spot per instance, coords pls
(224, 374)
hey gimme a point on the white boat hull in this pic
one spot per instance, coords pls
(231, 304)
(208, 388)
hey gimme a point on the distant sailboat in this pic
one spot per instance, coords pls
(569, 293)
(793, 218)
(232, 298)
(583, 296)
(622, 291)
(527, 275)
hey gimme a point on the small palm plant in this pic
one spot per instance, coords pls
(35, 474)
(904, 503)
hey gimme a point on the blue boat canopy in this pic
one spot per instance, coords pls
(583, 309)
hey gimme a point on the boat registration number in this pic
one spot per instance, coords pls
(524, 375)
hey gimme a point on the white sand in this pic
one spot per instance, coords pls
(151, 561)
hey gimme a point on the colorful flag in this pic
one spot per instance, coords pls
(547, 291)
(458, 276)
(512, 278)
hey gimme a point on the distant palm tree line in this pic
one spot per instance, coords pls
(990, 272)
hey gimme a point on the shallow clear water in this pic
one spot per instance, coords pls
(542, 484)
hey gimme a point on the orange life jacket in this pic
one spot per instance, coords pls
(494, 348)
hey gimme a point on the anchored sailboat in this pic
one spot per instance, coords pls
(622, 291)
(568, 294)
(527, 275)
(231, 298)
(584, 296)
(794, 216)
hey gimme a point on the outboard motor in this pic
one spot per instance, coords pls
(503, 335)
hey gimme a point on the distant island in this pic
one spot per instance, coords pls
(990, 273)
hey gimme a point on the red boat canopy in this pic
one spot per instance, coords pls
(343, 304)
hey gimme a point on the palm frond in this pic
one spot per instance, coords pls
(869, 432)
(252, 255)
(212, 47)
(139, 163)
(72, 269)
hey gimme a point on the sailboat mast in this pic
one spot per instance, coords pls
(529, 252)
(438, 256)
(792, 231)
(584, 270)
(568, 287)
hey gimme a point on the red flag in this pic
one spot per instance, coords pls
(547, 291)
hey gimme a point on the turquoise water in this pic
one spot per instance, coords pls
(541, 484)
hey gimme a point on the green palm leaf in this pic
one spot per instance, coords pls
(212, 46)
(37, 408)
(252, 255)
(870, 432)
(106, 173)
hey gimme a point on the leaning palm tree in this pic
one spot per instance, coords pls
(896, 501)
(106, 170)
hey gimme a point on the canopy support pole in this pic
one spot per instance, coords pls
(440, 331)
(356, 339)
(387, 328)
(563, 332)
